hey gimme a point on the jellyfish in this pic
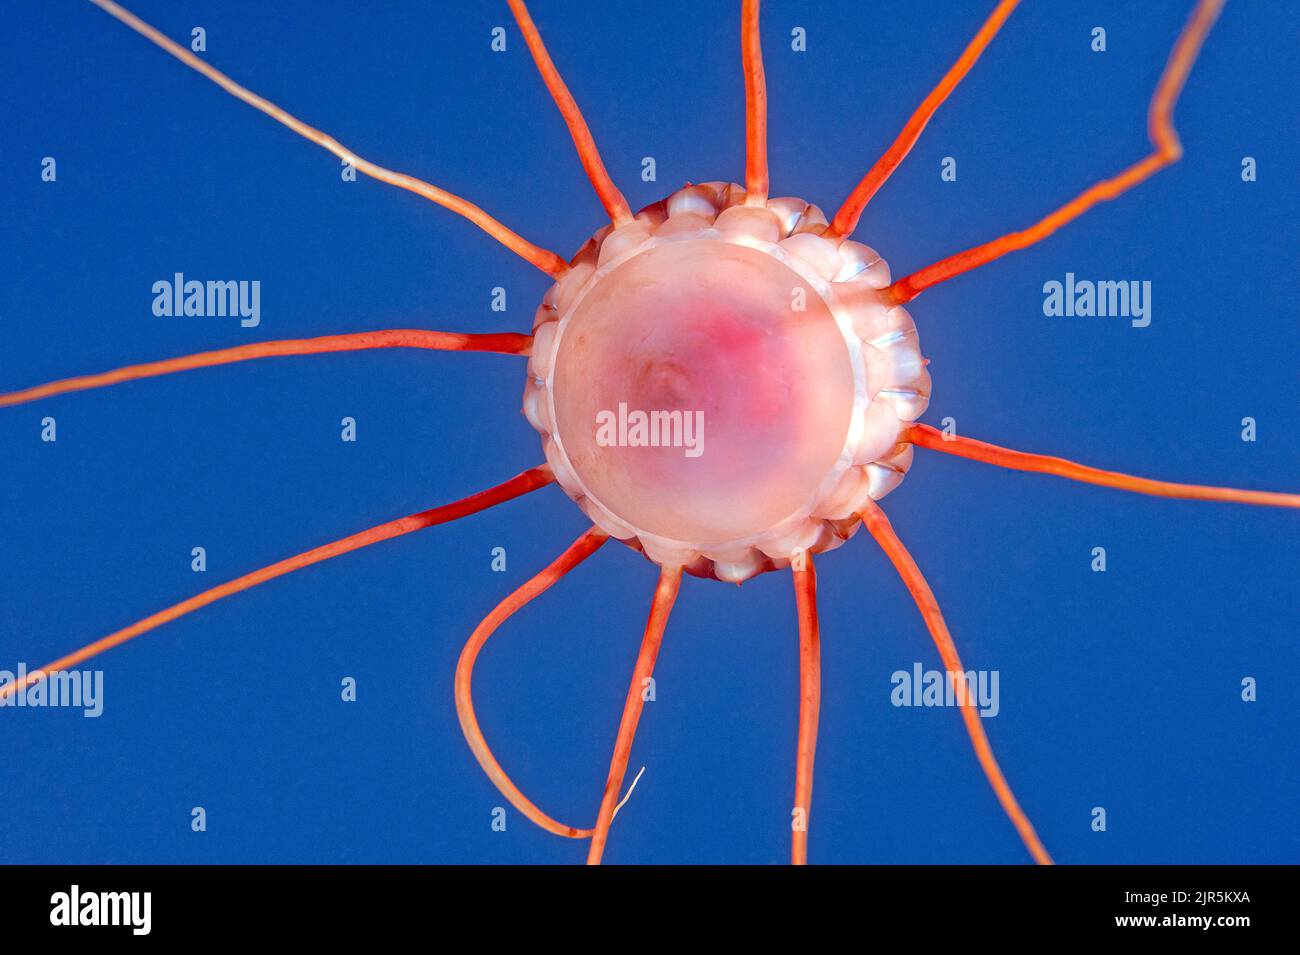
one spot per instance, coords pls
(723, 381)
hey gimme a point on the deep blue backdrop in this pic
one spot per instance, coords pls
(1119, 690)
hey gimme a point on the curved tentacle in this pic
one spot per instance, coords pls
(505, 343)
(810, 695)
(846, 219)
(878, 524)
(1168, 150)
(610, 197)
(670, 579)
(751, 56)
(548, 262)
(576, 553)
(925, 436)
(522, 483)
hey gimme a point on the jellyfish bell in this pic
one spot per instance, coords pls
(722, 388)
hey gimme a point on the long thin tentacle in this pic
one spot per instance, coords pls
(810, 695)
(878, 524)
(610, 197)
(1160, 129)
(751, 57)
(505, 343)
(923, 435)
(576, 553)
(522, 483)
(547, 261)
(846, 219)
(670, 579)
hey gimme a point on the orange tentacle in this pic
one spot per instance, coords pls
(846, 219)
(619, 211)
(670, 579)
(1168, 150)
(810, 693)
(548, 262)
(878, 524)
(575, 554)
(506, 343)
(520, 484)
(923, 435)
(751, 56)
